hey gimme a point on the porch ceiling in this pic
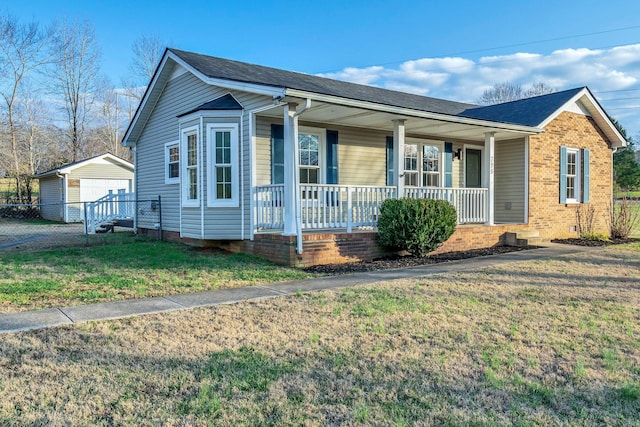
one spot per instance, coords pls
(440, 129)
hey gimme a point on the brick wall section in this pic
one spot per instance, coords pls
(546, 214)
(335, 248)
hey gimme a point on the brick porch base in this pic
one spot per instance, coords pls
(341, 247)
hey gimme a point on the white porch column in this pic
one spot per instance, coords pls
(488, 175)
(290, 165)
(398, 156)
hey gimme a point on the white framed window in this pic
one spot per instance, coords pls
(423, 163)
(222, 178)
(574, 175)
(573, 172)
(172, 162)
(311, 149)
(190, 170)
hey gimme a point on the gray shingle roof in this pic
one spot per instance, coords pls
(226, 102)
(528, 111)
(249, 73)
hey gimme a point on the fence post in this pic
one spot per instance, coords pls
(159, 218)
(86, 224)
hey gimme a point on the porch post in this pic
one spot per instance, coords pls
(398, 156)
(290, 163)
(488, 176)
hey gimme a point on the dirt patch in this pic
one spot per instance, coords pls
(392, 262)
(595, 243)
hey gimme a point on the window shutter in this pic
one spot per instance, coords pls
(390, 180)
(448, 164)
(563, 174)
(585, 176)
(332, 157)
(277, 154)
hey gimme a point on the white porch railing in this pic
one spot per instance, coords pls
(347, 206)
(470, 203)
(111, 207)
(341, 206)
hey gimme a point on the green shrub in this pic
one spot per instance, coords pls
(594, 236)
(418, 226)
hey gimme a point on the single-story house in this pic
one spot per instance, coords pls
(294, 167)
(65, 188)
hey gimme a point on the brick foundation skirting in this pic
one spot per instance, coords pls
(342, 247)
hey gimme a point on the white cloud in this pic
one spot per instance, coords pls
(464, 80)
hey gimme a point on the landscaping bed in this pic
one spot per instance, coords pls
(594, 243)
(399, 261)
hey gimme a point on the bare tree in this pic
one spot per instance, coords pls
(537, 89)
(77, 79)
(147, 51)
(23, 50)
(507, 92)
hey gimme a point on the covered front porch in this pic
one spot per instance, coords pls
(327, 165)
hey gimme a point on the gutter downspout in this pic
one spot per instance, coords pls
(296, 155)
(241, 167)
(202, 173)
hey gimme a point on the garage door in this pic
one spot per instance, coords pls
(92, 189)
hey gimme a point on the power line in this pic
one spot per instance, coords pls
(500, 47)
(619, 99)
(611, 91)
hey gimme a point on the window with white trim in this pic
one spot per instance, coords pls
(309, 162)
(223, 157)
(430, 166)
(572, 177)
(172, 162)
(190, 167)
(422, 164)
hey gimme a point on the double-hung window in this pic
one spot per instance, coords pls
(574, 175)
(422, 164)
(309, 162)
(172, 162)
(190, 166)
(223, 164)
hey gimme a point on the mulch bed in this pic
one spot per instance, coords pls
(585, 242)
(398, 261)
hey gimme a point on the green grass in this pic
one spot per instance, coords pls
(547, 342)
(129, 269)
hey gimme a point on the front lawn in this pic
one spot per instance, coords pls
(547, 342)
(132, 269)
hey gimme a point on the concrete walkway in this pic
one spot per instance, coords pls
(40, 319)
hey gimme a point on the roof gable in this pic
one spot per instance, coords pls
(226, 102)
(529, 111)
(538, 111)
(103, 158)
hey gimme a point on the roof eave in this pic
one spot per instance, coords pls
(403, 111)
(273, 91)
(615, 137)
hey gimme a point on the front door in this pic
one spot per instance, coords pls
(473, 168)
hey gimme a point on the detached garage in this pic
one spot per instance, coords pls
(64, 189)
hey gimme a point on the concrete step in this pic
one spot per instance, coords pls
(524, 238)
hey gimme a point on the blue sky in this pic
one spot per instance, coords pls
(452, 49)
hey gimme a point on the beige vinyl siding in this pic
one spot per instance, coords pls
(457, 167)
(182, 94)
(263, 149)
(51, 198)
(509, 181)
(361, 153)
(362, 156)
(102, 170)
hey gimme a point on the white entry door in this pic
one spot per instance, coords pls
(92, 189)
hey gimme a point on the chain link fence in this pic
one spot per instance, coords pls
(53, 225)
